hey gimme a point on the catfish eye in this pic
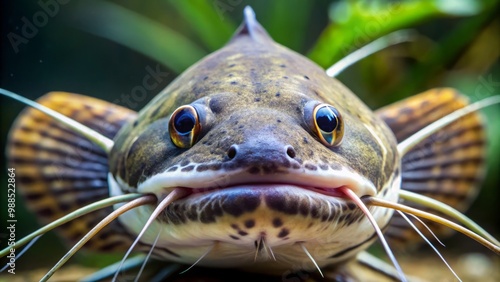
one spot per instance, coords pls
(328, 125)
(184, 126)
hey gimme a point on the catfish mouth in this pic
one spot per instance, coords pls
(331, 192)
(319, 182)
(254, 201)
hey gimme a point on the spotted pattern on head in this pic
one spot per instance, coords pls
(255, 101)
(251, 95)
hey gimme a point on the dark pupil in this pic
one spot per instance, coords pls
(184, 121)
(326, 119)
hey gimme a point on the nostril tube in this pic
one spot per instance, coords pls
(290, 151)
(231, 153)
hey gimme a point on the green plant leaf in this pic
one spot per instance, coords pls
(139, 33)
(354, 24)
(284, 20)
(211, 25)
(442, 54)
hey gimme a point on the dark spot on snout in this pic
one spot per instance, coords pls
(336, 166)
(249, 223)
(311, 167)
(277, 222)
(283, 233)
(187, 168)
(202, 168)
(174, 168)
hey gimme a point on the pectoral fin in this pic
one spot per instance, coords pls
(59, 171)
(447, 166)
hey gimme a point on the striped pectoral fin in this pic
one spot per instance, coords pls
(59, 171)
(447, 166)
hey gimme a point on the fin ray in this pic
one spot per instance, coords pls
(447, 166)
(59, 170)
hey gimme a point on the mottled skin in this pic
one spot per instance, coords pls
(254, 92)
(255, 101)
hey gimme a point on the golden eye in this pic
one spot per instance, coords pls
(328, 125)
(184, 127)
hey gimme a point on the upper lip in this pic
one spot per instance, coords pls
(322, 182)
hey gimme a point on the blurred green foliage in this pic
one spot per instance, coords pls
(101, 49)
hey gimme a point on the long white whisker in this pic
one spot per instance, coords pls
(381, 43)
(410, 142)
(148, 256)
(198, 260)
(428, 229)
(271, 251)
(71, 216)
(372, 201)
(312, 259)
(447, 210)
(429, 243)
(350, 194)
(174, 195)
(144, 200)
(268, 249)
(257, 248)
(97, 138)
